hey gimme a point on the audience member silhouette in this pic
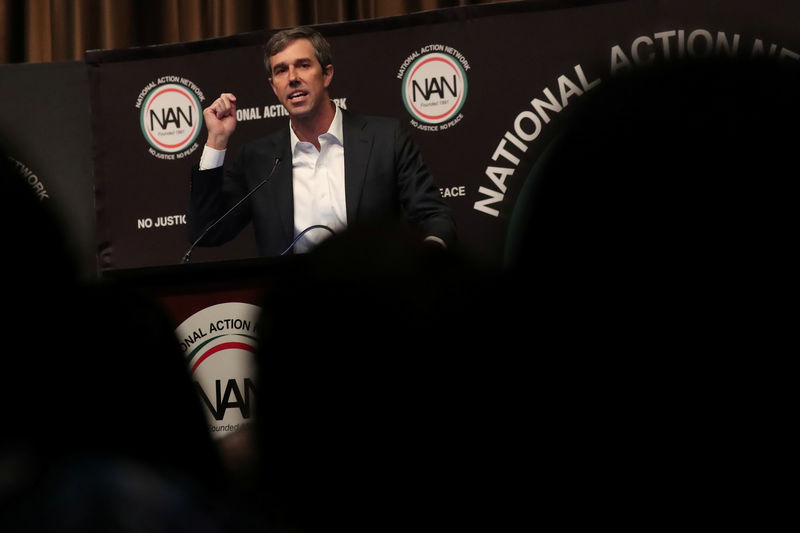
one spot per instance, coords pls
(666, 203)
(373, 412)
(105, 431)
(655, 249)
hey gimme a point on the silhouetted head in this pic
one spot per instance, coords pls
(667, 180)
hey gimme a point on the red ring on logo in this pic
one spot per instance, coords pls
(221, 347)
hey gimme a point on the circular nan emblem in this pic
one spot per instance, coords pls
(434, 88)
(170, 117)
(220, 345)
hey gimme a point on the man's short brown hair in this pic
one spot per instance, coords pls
(278, 42)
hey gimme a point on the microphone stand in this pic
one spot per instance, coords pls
(188, 255)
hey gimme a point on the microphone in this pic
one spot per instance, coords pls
(188, 255)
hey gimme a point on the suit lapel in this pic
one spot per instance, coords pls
(283, 199)
(357, 149)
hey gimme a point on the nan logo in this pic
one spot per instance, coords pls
(170, 116)
(434, 87)
(219, 344)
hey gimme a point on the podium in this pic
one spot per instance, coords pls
(185, 289)
(216, 310)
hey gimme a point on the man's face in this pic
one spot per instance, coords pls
(298, 79)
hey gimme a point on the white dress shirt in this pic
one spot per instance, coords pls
(318, 182)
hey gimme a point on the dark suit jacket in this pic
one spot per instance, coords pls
(385, 176)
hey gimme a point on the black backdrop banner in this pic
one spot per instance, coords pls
(482, 89)
(44, 129)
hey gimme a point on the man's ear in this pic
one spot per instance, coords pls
(327, 73)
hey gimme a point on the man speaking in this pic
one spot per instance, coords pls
(329, 170)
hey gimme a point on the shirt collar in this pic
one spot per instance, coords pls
(334, 130)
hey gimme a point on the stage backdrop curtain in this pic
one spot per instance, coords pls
(61, 30)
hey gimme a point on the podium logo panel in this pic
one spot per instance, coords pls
(220, 344)
(434, 86)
